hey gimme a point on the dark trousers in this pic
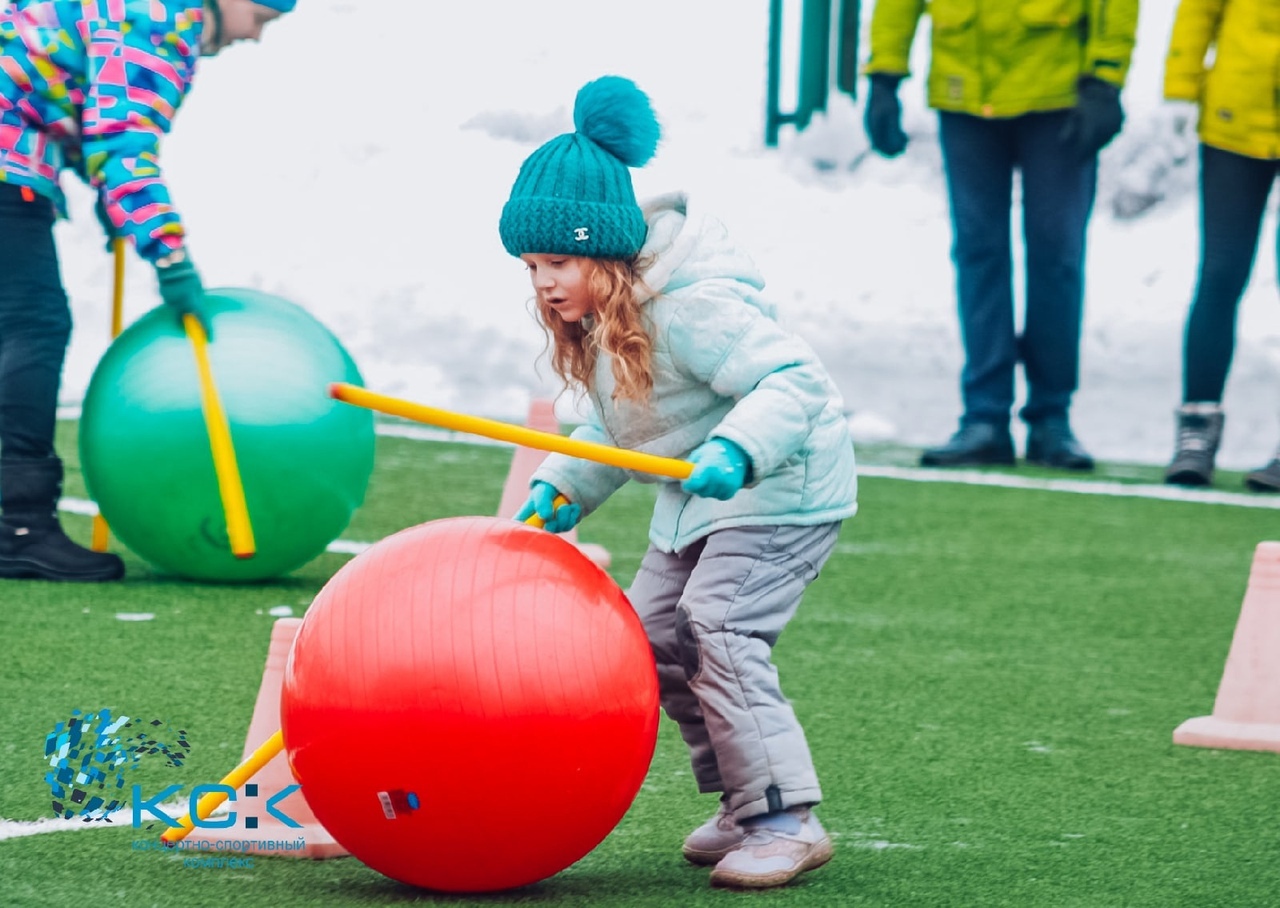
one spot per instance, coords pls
(35, 324)
(979, 157)
(1233, 196)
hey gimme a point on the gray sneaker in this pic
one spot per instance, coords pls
(1266, 479)
(771, 856)
(714, 839)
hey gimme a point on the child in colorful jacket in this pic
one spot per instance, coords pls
(1237, 99)
(91, 86)
(658, 317)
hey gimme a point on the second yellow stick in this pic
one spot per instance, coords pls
(502, 431)
(239, 530)
(234, 779)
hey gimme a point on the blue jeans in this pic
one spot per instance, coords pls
(1233, 197)
(979, 157)
(35, 324)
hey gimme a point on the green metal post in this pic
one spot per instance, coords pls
(773, 116)
(815, 60)
(847, 49)
(814, 70)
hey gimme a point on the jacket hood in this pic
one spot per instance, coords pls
(683, 249)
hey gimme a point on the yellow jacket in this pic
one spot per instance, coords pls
(1239, 94)
(1005, 58)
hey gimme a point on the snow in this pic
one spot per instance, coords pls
(356, 162)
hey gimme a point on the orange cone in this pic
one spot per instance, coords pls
(1246, 714)
(542, 416)
(254, 823)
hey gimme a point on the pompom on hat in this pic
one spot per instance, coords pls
(573, 196)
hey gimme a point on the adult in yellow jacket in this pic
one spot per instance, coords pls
(1019, 85)
(1237, 98)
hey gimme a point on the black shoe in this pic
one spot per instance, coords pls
(1051, 444)
(1265, 480)
(32, 544)
(43, 552)
(976, 444)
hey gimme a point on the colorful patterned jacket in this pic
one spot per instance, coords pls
(93, 85)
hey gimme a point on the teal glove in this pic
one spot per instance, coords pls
(542, 497)
(721, 469)
(181, 289)
(100, 210)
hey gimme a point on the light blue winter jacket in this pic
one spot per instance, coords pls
(724, 367)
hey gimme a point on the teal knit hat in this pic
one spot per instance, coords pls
(573, 195)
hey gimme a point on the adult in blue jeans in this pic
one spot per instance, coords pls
(1026, 86)
(1234, 100)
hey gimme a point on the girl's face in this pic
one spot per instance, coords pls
(560, 281)
(242, 20)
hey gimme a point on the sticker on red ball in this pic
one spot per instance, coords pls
(395, 803)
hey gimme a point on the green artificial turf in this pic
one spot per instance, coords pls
(989, 679)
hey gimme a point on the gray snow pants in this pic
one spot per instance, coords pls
(713, 613)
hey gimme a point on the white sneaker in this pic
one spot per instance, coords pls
(771, 857)
(714, 839)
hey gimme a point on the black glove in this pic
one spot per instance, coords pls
(883, 115)
(1095, 119)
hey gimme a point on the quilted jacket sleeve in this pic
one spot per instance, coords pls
(893, 28)
(583, 482)
(779, 387)
(141, 61)
(1194, 29)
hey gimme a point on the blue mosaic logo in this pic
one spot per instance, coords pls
(89, 755)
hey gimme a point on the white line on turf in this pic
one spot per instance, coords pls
(17, 829)
(1075, 486)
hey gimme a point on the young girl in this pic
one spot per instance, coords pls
(90, 85)
(658, 317)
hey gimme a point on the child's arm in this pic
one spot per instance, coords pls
(780, 386)
(584, 482)
(139, 68)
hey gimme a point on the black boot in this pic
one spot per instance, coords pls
(976, 444)
(1050, 443)
(1199, 434)
(32, 544)
(1266, 479)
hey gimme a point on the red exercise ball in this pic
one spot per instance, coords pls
(470, 705)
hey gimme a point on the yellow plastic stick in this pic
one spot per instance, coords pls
(234, 779)
(224, 454)
(502, 431)
(101, 532)
(117, 287)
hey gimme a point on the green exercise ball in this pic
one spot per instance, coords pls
(304, 459)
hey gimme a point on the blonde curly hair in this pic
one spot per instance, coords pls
(617, 328)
